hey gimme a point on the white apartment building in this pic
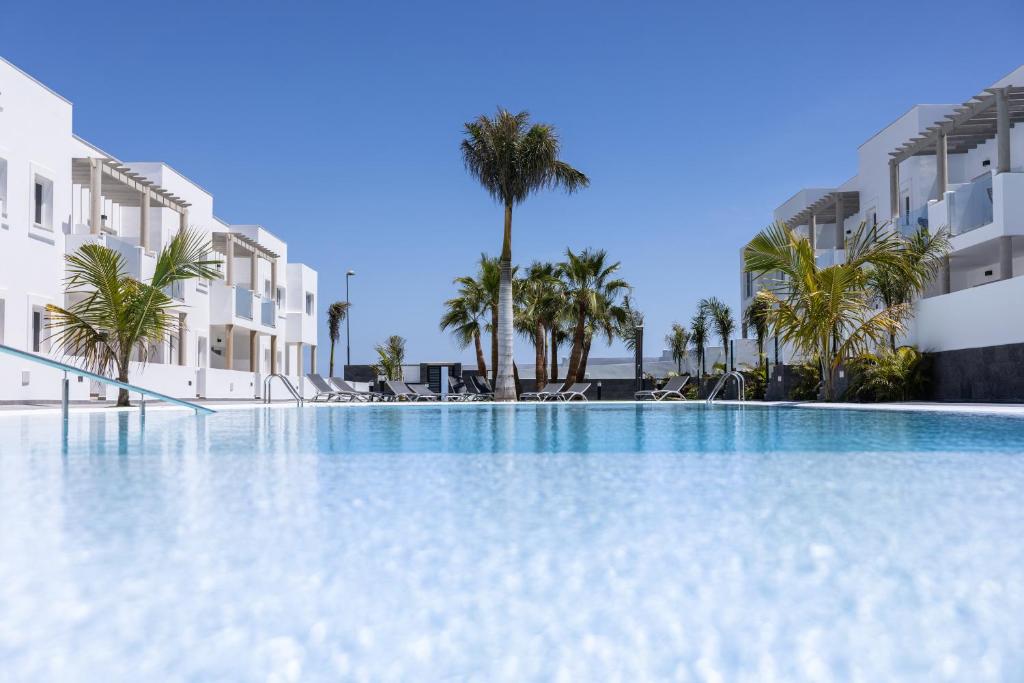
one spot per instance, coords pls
(958, 167)
(59, 192)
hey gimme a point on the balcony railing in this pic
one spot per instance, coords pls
(830, 257)
(243, 302)
(971, 205)
(268, 312)
(176, 290)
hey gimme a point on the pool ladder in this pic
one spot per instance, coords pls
(287, 385)
(741, 385)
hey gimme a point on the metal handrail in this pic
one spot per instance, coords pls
(741, 385)
(66, 368)
(288, 385)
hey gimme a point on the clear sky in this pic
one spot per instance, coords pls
(336, 125)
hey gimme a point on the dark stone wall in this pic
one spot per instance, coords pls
(989, 374)
(359, 373)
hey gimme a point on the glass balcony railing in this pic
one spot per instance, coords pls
(175, 290)
(830, 257)
(268, 312)
(972, 205)
(914, 221)
(243, 302)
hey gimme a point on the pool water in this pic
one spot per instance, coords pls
(513, 543)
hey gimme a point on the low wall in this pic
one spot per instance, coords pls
(174, 380)
(983, 316)
(991, 374)
(22, 380)
(236, 384)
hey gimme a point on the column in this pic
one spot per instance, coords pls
(1005, 257)
(1002, 132)
(273, 279)
(182, 340)
(941, 165)
(95, 195)
(254, 271)
(254, 348)
(230, 258)
(183, 220)
(812, 231)
(840, 231)
(298, 360)
(144, 221)
(229, 346)
(312, 358)
(273, 354)
(894, 192)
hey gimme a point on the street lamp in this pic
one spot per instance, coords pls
(348, 319)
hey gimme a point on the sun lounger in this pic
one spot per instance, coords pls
(576, 391)
(424, 393)
(672, 389)
(324, 391)
(484, 392)
(351, 392)
(546, 391)
(403, 392)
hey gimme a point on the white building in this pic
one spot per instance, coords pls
(59, 192)
(958, 167)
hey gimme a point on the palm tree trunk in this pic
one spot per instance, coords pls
(481, 363)
(554, 354)
(330, 366)
(576, 354)
(581, 371)
(504, 385)
(122, 376)
(494, 343)
(541, 369)
(515, 377)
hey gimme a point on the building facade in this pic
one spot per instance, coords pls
(954, 167)
(59, 192)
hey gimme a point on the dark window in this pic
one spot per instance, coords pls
(39, 204)
(906, 211)
(37, 329)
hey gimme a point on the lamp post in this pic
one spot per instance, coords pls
(348, 320)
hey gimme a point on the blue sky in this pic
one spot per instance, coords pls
(336, 125)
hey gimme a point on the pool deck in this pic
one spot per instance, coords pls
(84, 407)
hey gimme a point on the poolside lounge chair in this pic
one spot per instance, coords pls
(546, 391)
(577, 390)
(424, 393)
(458, 390)
(324, 391)
(352, 394)
(672, 389)
(484, 392)
(400, 391)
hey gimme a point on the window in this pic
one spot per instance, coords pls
(3, 188)
(42, 202)
(37, 330)
(906, 210)
(748, 284)
(309, 303)
(266, 288)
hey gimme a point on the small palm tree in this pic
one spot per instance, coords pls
(678, 340)
(390, 357)
(592, 292)
(756, 318)
(512, 160)
(633, 319)
(463, 316)
(113, 316)
(721, 319)
(827, 314)
(336, 314)
(699, 336)
(539, 300)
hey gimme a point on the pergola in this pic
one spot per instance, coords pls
(834, 207)
(985, 116)
(108, 178)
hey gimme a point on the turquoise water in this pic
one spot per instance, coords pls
(530, 543)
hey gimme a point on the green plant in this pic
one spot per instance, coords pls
(465, 311)
(539, 300)
(899, 375)
(592, 293)
(626, 328)
(721, 319)
(113, 316)
(755, 382)
(678, 339)
(809, 381)
(512, 160)
(390, 356)
(756, 318)
(336, 314)
(827, 313)
(699, 336)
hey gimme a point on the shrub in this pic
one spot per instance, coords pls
(807, 388)
(899, 375)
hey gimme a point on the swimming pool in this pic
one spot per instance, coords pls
(492, 543)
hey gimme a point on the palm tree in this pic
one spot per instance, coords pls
(463, 315)
(756, 319)
(512, 160)
(336, 314)
(113, 316)
(390, 356)
(591, 291)
(699, 335)
(606, 320)
(481, 292)
(559, 335)
(633, 319)
(827, 314)
(678, 339)
(721, 320)
(538, 305)
(924, 254)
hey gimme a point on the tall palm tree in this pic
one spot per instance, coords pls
(592, 292)
(112, 316)
(390, 357)
(512, 160)
(721, 319)
(827, 314)
(538, 304)
(924, 254)
(699, 335)
(678, 340)
(756, 318)
(559, 334)
(336, 314)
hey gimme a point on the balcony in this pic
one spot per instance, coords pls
(243, 302)
(829, 257)
(268, 312)
(176, 290)
(970, 205)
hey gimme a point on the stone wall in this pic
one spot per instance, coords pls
(989, 374)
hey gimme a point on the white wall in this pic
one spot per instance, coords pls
(980, 316)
